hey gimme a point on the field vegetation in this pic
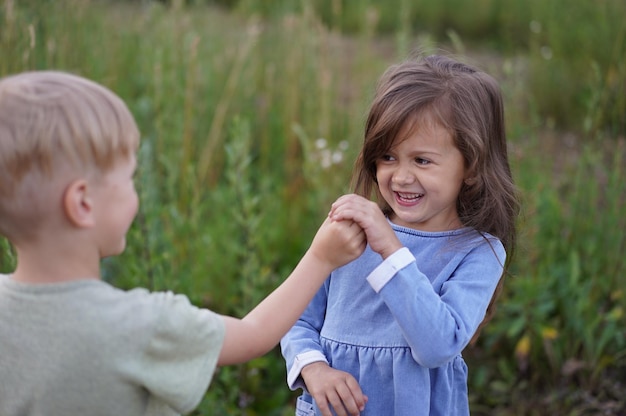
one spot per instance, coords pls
(252, 113)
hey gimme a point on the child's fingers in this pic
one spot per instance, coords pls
(352, 402)
(355, 238)
(355, 208)
(346, 212)
(356, 392)
(336, 402)
(344, 200)
(324, 407)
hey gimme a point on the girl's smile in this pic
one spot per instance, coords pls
(408, 199)
(421, 177)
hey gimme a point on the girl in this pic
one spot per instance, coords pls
(385, 333)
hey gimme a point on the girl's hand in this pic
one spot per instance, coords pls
(369, 216)
(333, 388)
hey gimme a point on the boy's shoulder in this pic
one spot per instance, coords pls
(98, 309)
(95, 297)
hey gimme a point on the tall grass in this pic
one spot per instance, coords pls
(251, 120)
(576, 49)
(560, 320)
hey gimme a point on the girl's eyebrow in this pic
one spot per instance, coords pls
(424, 152)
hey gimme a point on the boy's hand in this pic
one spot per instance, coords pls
(338, 242)
(333, 388)
(366, 213)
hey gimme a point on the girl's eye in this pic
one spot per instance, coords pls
(387, 158)
(421, 161)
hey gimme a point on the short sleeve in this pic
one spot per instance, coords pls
(180, 357)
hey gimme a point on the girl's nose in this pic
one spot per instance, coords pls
(403, 176)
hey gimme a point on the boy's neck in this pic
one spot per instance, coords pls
(48, 279)
(55, 264)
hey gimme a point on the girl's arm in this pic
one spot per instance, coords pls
(301, 345)
(307, 367)
(437, 326)
(335, 244)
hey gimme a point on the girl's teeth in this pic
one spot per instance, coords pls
(410, 196)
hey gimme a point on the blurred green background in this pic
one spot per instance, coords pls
(252, 113)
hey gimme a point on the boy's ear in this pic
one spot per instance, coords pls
(78, 205)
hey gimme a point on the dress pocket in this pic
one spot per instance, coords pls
(304, 407)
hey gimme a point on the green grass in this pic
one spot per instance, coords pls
(251, 118)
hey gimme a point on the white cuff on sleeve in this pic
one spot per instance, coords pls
(293, 377)
(389, 267)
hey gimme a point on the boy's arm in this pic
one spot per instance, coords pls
(335, 244)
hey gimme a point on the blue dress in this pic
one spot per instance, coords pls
(399, 326)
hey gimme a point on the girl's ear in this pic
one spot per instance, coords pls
(470, 181)
(471, 177)
(78, 205)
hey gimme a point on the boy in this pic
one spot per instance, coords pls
(70, 343)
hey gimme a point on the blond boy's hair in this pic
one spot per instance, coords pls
(54, 122)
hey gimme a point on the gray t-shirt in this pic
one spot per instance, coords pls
(87, 348)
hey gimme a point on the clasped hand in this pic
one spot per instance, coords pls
(368, 215)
